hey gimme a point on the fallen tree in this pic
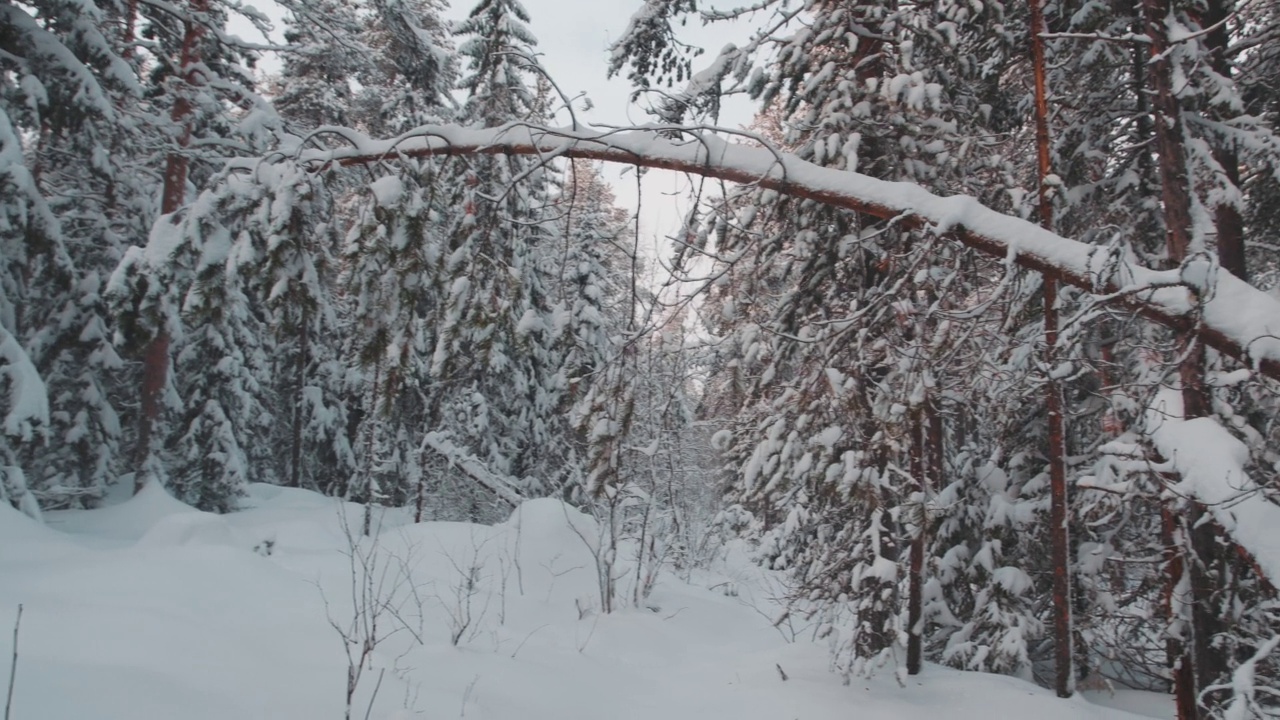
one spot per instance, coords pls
(1198, 298)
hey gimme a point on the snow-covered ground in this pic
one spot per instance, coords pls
(149, 610)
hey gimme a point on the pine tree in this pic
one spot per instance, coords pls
(392, 267)
(496, 348)
(327, 54)
(200, 82)
(414, 71)
(392, 271)
(77, 192)
(850, 350)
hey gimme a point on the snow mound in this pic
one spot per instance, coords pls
(126, 522)
(551, 522)
(274, 497)
(189, 529)
(17, 530)
(488, 623)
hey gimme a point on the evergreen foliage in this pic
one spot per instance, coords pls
(863, 400)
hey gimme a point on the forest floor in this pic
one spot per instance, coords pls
(150, 610)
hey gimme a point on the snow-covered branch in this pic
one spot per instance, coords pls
(1225, 312)
(1211, 464)
(503, 488)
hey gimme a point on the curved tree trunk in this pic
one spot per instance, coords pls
(1231, 316)
(1168, 297)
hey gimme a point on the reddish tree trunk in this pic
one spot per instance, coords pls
(155, 359)
(130, 29)
(1059, 536)
(1175, 187)
(1200, 663)
(1226, 216)
(1208, 555)
(1184, 691)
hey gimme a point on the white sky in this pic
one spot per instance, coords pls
(574, 37)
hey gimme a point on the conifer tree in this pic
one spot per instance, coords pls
(496, 347)
(200, 82)
(849, 352)
(77, 190)
(414, 70)
(327, 53)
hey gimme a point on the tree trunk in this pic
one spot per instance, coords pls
(421, 499)
(1184, 690)
(155, 368)
(1208, 556)
(295, 449)
(915, 595)
(1209, 551)
(1175, 188)
(130, 35)
(1059, 535)
(915, 209)
(375, 415)
(1201, 663)
(1226, 216)
(155, 359)
(1059, 511)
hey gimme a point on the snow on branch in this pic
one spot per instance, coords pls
(28, 401)
(469, 464)
(1211, 464)
(1225, 312)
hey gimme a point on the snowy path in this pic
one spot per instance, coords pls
(151, 611)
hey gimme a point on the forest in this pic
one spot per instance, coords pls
(971, 335)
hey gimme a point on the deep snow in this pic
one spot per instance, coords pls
(150, 610)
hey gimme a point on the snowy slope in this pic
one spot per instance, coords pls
(150, 610)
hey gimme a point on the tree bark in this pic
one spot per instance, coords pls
(155, 358)
(1059, 535)
(1209, 550)
(295, 449)
(1199, 664)
(644, 149)
(1059, 514)
(130, 35)
(1175, 187)
(1226, 216)
(1208, 555)
(915, 595)
(1180, 664)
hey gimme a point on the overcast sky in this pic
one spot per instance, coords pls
(573, 39)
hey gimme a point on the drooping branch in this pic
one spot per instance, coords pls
(503, 488)
(1224, 312)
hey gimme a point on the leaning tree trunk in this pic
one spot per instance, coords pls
(961, 219)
